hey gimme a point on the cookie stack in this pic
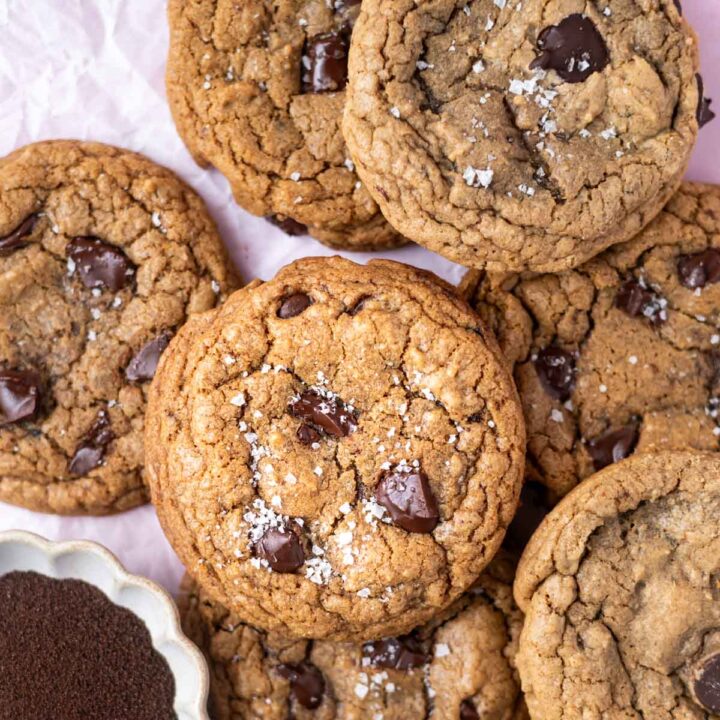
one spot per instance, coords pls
(505, 135)
(335, 454)
(356, 463)
(334, 451)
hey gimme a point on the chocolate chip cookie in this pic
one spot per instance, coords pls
(458, 667)
(336, 453)
(622, 354)
(103, 256)
(620, 589)
(257, 90)
(522, 134)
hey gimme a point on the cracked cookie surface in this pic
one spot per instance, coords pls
(336, 453)
(620, 590)
(461, 666)
(621, 354)
(522, 134)
(257, 90)
(103, 256)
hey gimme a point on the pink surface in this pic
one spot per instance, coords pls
(704, 15)
(95, 71)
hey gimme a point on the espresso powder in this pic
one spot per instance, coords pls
(68, 653)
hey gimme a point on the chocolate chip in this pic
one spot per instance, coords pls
(556, 369)
(19, 236)
(704, 113)
(282, 550)
(357, 306)
(637, 300)
(409, 499)
(696, 271)
(468, 711)
(307, 435)
(678, 6)
(713, 357)
(325, 63)
(19, 395)
(288, 225)
(632, 298)
(144, 364)
(706, 684)
(613, 446)
(534, 506)
(307, 683)
(329, 414)
(400, 653)
(574, 49)
(91, 452)
(293, 305)
(99, 263)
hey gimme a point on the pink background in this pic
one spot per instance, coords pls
(94, 70)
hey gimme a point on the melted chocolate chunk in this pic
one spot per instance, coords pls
(328, 414)
(91, 452)
(294, 305)
(281, 549)
(353, 310)
(574, 49)
(556, 369)
(400, 653)
(700, 269)
(144, 364)
(639, 301)
(704, 113)
(678, 6)
(100, 264)
(325, 63)
(409, 499)
(19, 395)
(19, 236)
(613, 446)
(307, 683)
(307, 435)
(534, 506)
(706, 684)
(468, 711)
(288, 225)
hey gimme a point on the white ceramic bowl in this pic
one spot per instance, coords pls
(95, 565)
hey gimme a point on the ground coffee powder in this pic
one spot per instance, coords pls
(69, 653)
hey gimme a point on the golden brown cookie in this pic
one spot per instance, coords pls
(621, 594)
(620, 355)
(461, 666)
(257, 90)
(522, 134)
(336, 453)
(103, 256)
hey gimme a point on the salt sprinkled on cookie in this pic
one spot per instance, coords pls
(620, 355)
(573, 107)
(318, 478)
